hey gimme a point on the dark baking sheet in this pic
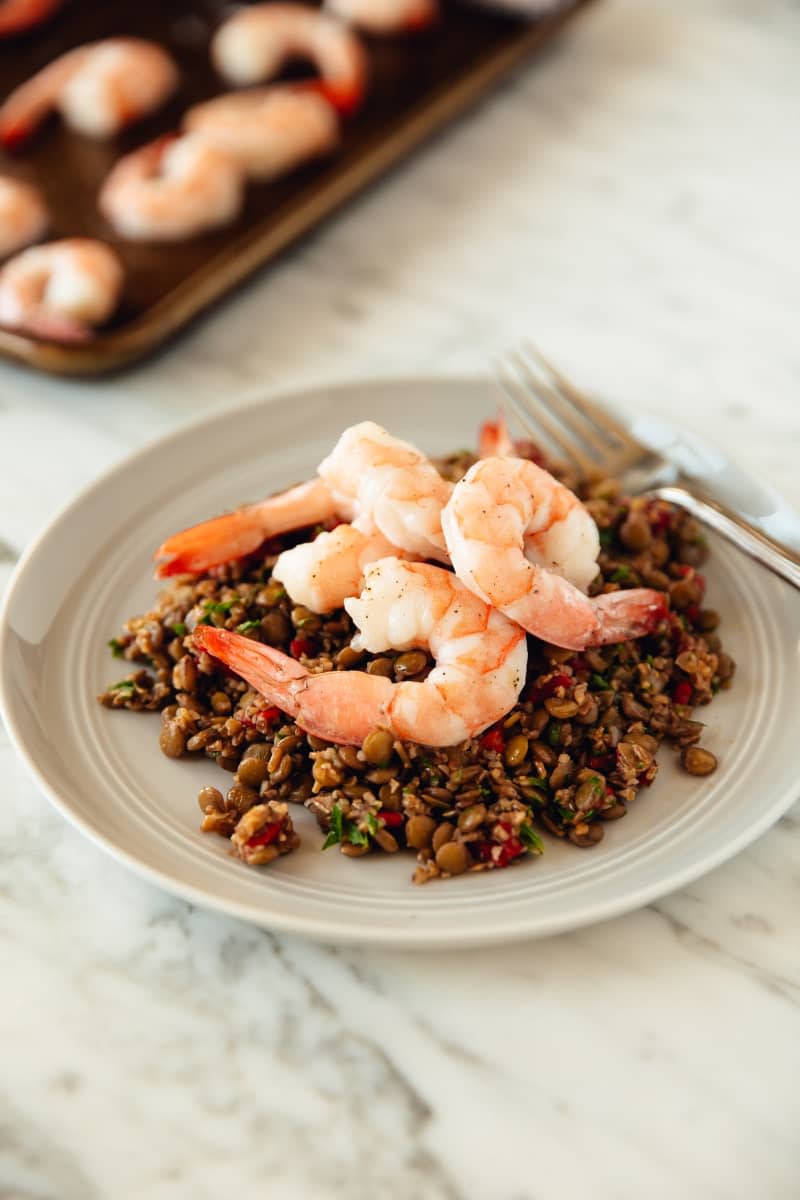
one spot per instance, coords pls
(417, 84)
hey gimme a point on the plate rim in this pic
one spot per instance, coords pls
(412, 937)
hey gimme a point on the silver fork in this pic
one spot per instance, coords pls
(544, 401)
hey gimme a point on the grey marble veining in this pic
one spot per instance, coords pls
(632, 200)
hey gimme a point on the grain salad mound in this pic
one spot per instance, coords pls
(571, 756)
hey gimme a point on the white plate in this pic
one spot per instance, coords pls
(91, 568)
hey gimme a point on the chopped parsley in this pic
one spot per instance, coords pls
(179, 629)
(336, 830)
(116, 647)
(531, 840)
(346, 831)
(222, 607)
(373, 825)
(123, 685)
(606, 537)
(554, 734)
(621, 574)
(599, 683)
(248, 626)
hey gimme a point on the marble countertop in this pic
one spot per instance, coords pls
(632, 200)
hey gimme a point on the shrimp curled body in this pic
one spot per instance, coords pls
(481, 658)
(388, 493)
(98, 89)
(23, 215)
(171, 189)
(268, 131)
(61, 289)
(523, 542)
(323, 573)
(254, 44)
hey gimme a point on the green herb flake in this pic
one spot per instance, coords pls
(356, 836)
(116, 647)
(621, 575)
(554, 734)
(223, 607)
(373, 824)
(248, 626)
(336, 830)
(531, 840)
(535, 782)
(651, 662)
(598, 683)
(606, 538)
(179, 629)
(123, 685)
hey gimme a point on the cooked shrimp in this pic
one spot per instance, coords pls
(268, 131)
(241, 532)
(382, 17)
(372, 474)
(23, 215)
(61, 289)
(98, 89)
(171, 189)
(523, 542)
(481, 658)
(17, 16)
(254, 44)
(323, 573)
(369, 477)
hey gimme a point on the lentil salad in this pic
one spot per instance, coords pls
(571, 755)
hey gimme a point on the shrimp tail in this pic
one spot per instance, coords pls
(25, 109)
(627, 614)
(210, 544)
(275, 675)
(346, 98)
(494, 438)
(340, 706)
(239, 533)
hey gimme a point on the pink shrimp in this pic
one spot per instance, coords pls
(253, 45)
(23, 215)
(238, 533)
(61, 289)
(268, 131)
(383, 17)
(172, 189)
(98, 89)
(523, 542)
(18, 16)
(381, 483)
(481, 658)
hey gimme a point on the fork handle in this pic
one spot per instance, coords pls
(774, 555)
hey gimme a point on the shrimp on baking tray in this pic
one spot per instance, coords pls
(18, 16)
(481, 659)
(173, 188)
(98, 89)
(60, 290)
(382, 17)
(268, 131)
(386, 491)
(254, 44)
(524, 542)
(23, 215)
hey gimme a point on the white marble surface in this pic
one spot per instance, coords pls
(633, 200)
